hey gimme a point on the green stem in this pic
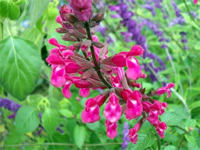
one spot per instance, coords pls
(58, 144)
(189, 12)
(179, 128)
(87, 26)
(1, 31)
(179, 146)
(158, 141)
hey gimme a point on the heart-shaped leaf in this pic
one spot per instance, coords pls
(20, 65)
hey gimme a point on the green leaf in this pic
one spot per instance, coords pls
(170, 147)
(79, 135)
(190, 123)
(171, 118)
(19, 2)
(26, 120)
(12, 139)
(93, 126)
(143, 142)
(194, 105)
(66, 113)
(20, 65)
(9, 10)
(37, 8)
(50, 120)
(34, 35)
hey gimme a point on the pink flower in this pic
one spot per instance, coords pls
(66, 92)
(85, 92)
(58, 76)
(79, 83)
(146, 106)
(71, 67)
(134, 106)
(100, 99)
(113, 110)
(134, 71)
(64, 11)
(54, 42)
(91, 112)
(158, 106)
(111, 129)
(195, 1)
(82, 9)
(165, 89)
(136, 50)
(153, 117)
(161, 129)
(133, 136)
(120, 59)
(123, 59)
(54, 59)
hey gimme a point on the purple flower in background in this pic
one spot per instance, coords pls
(125, 136)
(9, 104)
(184, 40)
(59, 130)
(151, 5)
(150, 8)
(134, 33)
(155, 28)
(194, 15)
(102, 30)
(179, 18)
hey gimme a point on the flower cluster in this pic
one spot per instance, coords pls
(134, 33)
(86, 64)
(10, 105)
(151, 5)
(179, 18)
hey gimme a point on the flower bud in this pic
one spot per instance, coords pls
(64, 11)
(98, 17)
(98, 44)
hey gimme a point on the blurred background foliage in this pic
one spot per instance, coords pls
(46, 120)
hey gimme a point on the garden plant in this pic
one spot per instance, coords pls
(99, 74)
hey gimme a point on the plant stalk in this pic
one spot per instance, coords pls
(87, 26)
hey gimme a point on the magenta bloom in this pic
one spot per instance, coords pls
(165, 89)
(195, 1)
(111, 129)
(91, 112)
(85, 92)
(134, 106)
(161, 128)
(113, 110)
(66, 89)
(128, 59)
(86, 65)
(82, 9)
(133, 136)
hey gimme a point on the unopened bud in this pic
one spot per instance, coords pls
(71, 18)
(85, 45)
(67, 37)
(78, 25)
(92, 24)
(64, 11)
(98, 17)
(61, 30)
(98, 44)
